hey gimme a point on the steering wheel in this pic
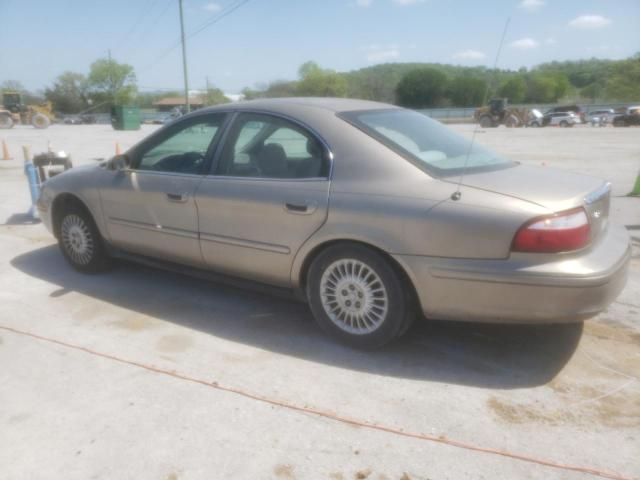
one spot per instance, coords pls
(191, 160)
(187, 162)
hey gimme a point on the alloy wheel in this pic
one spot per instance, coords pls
(353, 296)
(77, 239)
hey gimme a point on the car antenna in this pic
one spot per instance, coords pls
(457, 194)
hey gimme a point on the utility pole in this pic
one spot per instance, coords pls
(207, 97)
(184, 61)
(112, 90)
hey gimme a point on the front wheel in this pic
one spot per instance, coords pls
(358, 297)
(512, 121)
(80, 241)
(40, 121)
(564, 124)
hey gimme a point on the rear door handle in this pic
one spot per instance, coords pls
(177, 197)
(301, 208)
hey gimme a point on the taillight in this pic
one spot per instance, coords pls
(560, 232)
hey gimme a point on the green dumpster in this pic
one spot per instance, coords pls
(125, 118)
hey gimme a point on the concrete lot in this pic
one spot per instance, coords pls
(93, 407)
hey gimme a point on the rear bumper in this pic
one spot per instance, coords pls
(525, 288)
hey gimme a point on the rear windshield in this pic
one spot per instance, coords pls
(426, 143)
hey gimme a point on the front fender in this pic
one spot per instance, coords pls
(82, 183)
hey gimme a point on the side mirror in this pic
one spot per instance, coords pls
(119, 162)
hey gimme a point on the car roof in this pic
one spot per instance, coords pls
(283, 105)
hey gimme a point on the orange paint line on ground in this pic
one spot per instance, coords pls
(329, 415)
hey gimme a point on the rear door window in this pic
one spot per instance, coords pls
(266, 146)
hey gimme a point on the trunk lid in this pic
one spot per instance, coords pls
(556, 190)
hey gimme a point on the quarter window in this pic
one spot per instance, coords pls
(264, 146)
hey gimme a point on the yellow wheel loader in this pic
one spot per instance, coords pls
(13, 110)
(499, 113)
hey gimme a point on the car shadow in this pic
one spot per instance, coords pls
(491, 356)
(21, 219)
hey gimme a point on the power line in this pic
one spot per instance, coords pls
(154, 22)
(230, 9)
(139, 19)
(223, 14)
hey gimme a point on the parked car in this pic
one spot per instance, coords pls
(606, 113)
(561, 119)
(72, 120)
(628, 119)
(371, 213)
(79, 119)
(569, 108)
(535, 118)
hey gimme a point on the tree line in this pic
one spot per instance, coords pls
(107, 83)
(424, 85)
(415, 85)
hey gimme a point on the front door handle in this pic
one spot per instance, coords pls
(177, 197)
(301, 208)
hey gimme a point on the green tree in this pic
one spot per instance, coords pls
(624, 82)
(11, 86)
(542, 89)
(215, 96)
(421, 88)
(250, 93)
(318, 82)
(515, 89)
(467, 91)
(111, 82)
(562, 85)
(280, 88)
(592, 91)
(28, 97)
(68, 93)
(309, 68)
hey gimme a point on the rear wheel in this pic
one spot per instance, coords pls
(358, 297)
(80, 241)
(535, 125)
(6, 121)
(40, 121)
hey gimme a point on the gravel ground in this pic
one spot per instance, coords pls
(144, 374)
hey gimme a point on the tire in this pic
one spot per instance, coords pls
(80, 241)
(486, 122)
(342, 280)
(512, 121)
(6, 121)
(564, 124)
(40, 121)
(619, 123)
(535, 125)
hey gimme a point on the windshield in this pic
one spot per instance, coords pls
(425, 142)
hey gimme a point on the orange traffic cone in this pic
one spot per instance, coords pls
(118, 152)
(5, 151)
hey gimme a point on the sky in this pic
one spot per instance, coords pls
(266, 40)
